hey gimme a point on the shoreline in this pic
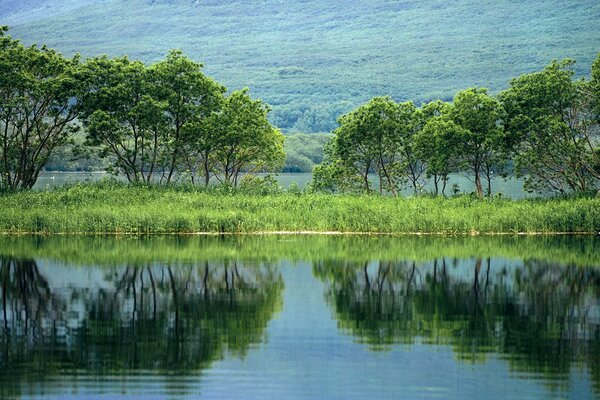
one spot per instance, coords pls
(296, 233)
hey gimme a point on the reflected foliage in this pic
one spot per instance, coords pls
(543, 317)
(164, 318)
(118, 251)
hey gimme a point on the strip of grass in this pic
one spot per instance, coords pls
(97, 209)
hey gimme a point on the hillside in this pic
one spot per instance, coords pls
(312, 60)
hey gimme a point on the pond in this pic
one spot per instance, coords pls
(300, 317)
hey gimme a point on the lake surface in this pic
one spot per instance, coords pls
(300, 317)
(511, 187)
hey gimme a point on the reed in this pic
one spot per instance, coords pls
(115, 209)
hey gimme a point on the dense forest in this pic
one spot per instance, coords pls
(311, 60)
(169, 122)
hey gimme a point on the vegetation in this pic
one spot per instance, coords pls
(304, 151)
(555, 128)
(110, 208)
(315, 60)
(169, 122)
(37, 111)
(546, 122)
(152, 123)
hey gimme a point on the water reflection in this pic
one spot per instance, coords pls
(152, 318)
(542, 317)
(157, 318)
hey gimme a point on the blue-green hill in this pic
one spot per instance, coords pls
(312, 60)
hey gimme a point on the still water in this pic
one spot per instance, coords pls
(511, 187)
(300, 317)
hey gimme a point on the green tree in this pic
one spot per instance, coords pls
(550, 119)
(303, 151)
(410, 123)
(483, 140)
(247, 142)
(38, 108)
(189, 97)
(123, 119)
(376, 137)
(437, 145)
(138, 114)
(333, 175)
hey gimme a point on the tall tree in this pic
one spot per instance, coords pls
(410, 122)
(377, 137)
(551, 120)
(123, 119)
(481, 118)
(138, 114)
(247, 142)
(38, 108)
(437, 144)
(189, 97)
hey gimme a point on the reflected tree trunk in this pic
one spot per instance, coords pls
(153, 286)
(175, 299)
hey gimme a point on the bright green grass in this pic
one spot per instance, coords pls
(314, 59)
(120, 209)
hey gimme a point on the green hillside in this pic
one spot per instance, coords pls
(312, 60)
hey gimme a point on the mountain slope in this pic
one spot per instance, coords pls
(312, 60)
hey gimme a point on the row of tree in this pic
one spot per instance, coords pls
(154, 123)
(545, 127)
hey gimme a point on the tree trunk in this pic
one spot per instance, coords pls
(478, 186)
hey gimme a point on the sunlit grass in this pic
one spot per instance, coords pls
(120, 209)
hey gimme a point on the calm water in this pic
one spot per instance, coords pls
(511, 187)
(300, 317)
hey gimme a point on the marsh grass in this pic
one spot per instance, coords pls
(114, 208)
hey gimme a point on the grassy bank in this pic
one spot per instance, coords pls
(120, 209)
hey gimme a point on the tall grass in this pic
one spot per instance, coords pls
(109, 208)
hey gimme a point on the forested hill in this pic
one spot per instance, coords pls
(314, 59)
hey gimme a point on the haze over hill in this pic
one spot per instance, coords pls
(312, 60)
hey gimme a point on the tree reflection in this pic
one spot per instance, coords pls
(171, 319)
(542, 317)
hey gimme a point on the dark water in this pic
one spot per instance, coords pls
(300, 318)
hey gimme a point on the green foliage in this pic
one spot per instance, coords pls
(551, 118)
(139, 115)
(37, 111)
(376, 137)
(304, 151)
(482, 138)
(245, 140)
(438, 144)
(110, 208)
